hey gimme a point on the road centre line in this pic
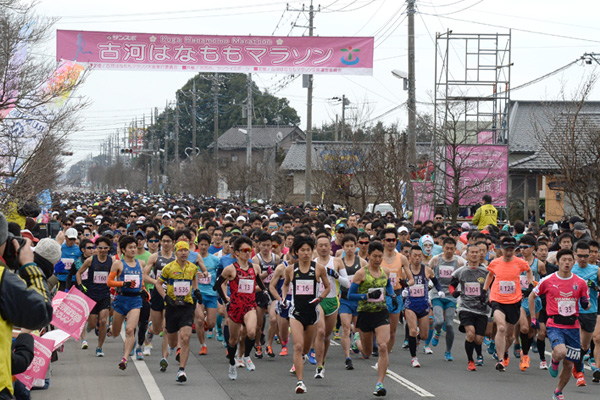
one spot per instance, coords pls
(407, 384)
(147, 378)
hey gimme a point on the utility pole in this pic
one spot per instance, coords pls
(177, 166)
(336, 135)
(412, 103)
(308, 169)
(250, 109)
(216, 127)
(344, 116)
(194, 119)
(166, 153)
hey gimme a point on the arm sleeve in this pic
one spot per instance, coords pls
(343, 278)
(436, 283)
(33, 310)
(218, 286)
(22, 354)
(353, 295)
(111, 282)
(259, 282)
(453, 284)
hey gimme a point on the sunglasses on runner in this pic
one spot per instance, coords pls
(275, 245)
(153, 241)
(103, 248)
(390, 240)
(246, 250)
(361, 242)
(525, 246)
(583, 255)
(90, 248)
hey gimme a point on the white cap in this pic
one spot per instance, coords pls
(79, 220)
(241, 218)
(273, 216)
(71, 233)
(160, 210)
(402, 229)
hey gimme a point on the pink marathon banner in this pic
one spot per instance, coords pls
(73, 312)
(42, 351)
(208, 53)
(483, 170)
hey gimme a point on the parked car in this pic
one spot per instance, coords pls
(383, 208)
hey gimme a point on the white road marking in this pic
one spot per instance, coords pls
(146, 375)
(406, 383)
(333, 342)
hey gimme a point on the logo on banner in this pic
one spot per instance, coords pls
(350, 60)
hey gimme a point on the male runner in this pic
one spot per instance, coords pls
(208, 306)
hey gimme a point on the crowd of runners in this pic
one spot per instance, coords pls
(263, 278)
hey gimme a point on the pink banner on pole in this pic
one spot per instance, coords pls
(42, 351)
(72, 313)
(485, 137)
(423, 195)
(204, 53)
(483, 170)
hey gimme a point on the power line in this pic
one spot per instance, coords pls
(369, 20)
(455, 12)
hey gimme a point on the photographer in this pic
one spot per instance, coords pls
(34, 308)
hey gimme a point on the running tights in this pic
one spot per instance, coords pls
(439, 316)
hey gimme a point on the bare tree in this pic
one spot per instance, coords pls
(570, 135)
(35, 113)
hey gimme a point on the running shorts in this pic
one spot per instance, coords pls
(124, 304)
(421, 311)
(237, 311)
(587, 322)
(570, 338)
(525, 305)
(444, 303)
(209, 301)
(349, 307)
(479, 321)
(157, 303)
(306, 316)
(101, 304)
(512, 312)
(178, 317)
(330, 305)
(369, 321)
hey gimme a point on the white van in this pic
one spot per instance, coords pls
(383, 208)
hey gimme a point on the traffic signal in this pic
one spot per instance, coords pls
(126, 151)
(66, 153)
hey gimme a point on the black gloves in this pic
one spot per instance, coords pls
(198, 296)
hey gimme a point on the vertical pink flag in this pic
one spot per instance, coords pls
(42, 351)
(73, 312)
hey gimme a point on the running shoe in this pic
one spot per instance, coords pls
(203, 350)
(262, 339)
(479, 361)
(99, 352)
(506, 360)
(320, 373)
(580, 379)
(147, 350)
(586, 356)
(375, 352)
(181, 376)
(596, 375)
(239, 362)
(293, 369)
(311, 357)
(300, 387)
(500, 367)
(524, 363)
(448, 356)
(248, 363)
(379, 390)
(84, 345)
(405, 344)
(270, 351)
(354, 348)
(258, 353)
(543, 364)
(427, 350)
(178, 354)
(132, 353)
(492, 347)
(284, 351)
(415, 363)
(123, 364)
(220, 336)
(436, 338)
(517, 351)
(471, 366)
(349, 365)
(553, 372)
(486, 340)
(534, 347)
(210, 334)
(336, 335)
(163, 364)
(232, 373)
(592, 363)
(138, 354)
(558, 395)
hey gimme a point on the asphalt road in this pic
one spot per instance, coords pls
(78, 374)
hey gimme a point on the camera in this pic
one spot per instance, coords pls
(11, 254)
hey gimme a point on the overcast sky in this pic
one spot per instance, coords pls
(546, 35)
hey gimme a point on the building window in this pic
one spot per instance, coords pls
(234, 158)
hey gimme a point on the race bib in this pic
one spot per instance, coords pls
(472, 289)
(506, 287)
(132, 278)
(524, 282)
(445, 271)
(269, 277)
(379, 299)
(204, 281)
(68, 263)
(101, 277)
(566, 308)
(246, 286)
(305, 287)
(181, 288)
(158, 273)
(85, 275)
(290, 291)
(416, 291)
(393, 278)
